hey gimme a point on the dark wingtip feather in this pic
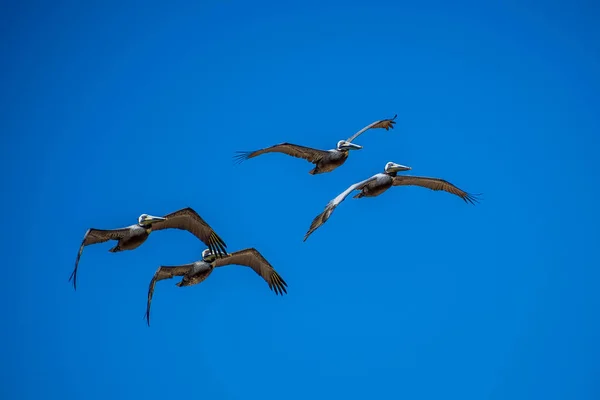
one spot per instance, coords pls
(315, 224)
(282, 288)
(310, 231)
(216, 250)
(222, 246)
(472, 198)
(241, 156)
(217, 246)
(74, 278)
(277, 284)
(74, 273)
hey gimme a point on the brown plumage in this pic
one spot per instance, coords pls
(198, 271)
(386, 124)
(324, 160)
(133, 236)
(166, 272)
(189, 220)
(380, 183)
(253, 259)
(435, 184)
(307, 153)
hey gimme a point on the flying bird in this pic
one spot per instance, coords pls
(379, 183)
(324, 160)
(131, 237)
(198, 271)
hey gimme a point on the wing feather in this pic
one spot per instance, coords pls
(324, 216)
(435, 184)
(189, 220)
(164, 272)
(94, 236)
(253, 259)
(294, 150)
(386, 124)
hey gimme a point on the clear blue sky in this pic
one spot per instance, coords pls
(116, 110)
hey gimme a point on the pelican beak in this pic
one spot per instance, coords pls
(151, 219)
(398, 167)
(352, 146)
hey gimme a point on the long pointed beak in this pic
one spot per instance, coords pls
(398, 167)
(352, 146)
(152, 218)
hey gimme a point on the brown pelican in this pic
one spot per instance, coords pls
(198, 271)
(131, 237)
(324, 160)
(379, 183)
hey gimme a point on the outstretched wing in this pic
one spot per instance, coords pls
(94, 236)
(189, 220)
(386, 124)
(164, 272)
(324, 216)
(294, 150)
(435, 184)
(253, 259)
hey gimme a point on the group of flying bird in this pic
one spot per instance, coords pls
(216, 255)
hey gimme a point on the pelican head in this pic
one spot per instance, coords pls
(344, 145)
(393, 167)
(208, 256)
(146, 219)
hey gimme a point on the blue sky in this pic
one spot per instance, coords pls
(127, 108)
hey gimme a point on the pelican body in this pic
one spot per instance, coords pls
(133, 236)
(196, 272)
(136, 234)
(324, 160)
(381, 182)
(334, 158)
(199, 271)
